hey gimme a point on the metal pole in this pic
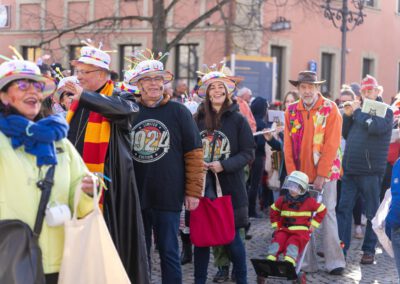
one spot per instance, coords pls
(345, 12)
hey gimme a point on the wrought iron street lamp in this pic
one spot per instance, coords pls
(346, 20)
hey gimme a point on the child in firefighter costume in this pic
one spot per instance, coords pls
(292, 218)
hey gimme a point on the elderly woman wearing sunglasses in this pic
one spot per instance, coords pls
(29, 145)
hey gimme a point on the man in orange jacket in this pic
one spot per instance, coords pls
(313, 128)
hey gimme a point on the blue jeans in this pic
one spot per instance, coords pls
(395, 236)
(352, 186)
(237, 253)
(166, 229)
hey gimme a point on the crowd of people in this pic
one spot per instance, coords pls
(160, 151)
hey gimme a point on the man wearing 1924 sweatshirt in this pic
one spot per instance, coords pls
(168, 159)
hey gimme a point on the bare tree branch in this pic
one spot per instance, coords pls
(195, 22)
(100, 20)
(172, 4)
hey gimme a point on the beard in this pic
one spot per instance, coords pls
(309, 98)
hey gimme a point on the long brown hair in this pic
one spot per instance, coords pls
(294, 94)
(212, 118)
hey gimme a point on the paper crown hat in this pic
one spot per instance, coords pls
(61, 84)
(146, 66)
(94, 55)
(211, 75)
(128, 88)
(18, 68)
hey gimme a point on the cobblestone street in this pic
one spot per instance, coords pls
(382, 271)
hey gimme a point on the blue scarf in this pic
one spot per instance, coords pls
(37, 137)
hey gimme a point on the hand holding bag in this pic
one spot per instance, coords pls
(90, 256)
(212, 222)
(20, 254)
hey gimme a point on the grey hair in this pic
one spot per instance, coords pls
(244, 90)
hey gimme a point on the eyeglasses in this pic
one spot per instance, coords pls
(24, 85)
(84, 72)
(157, 79)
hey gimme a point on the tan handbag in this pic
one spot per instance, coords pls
(90, 256)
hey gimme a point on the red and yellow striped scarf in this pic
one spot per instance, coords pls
(97, 135)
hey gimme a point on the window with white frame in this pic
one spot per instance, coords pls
(74, 53)
(327, 73)
(187, 63)
(126, 52)
(31, 53)
(370, 3)
(278, 52)
(367, 67)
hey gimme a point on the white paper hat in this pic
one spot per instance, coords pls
(18, 68)
(213, 75)
(94, 56)
(61, 84)
(145, 66)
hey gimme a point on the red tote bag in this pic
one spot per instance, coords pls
(212, 222)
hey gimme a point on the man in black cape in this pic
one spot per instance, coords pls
(100, 121)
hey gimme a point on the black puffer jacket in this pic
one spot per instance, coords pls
(367, 143)
(234, 149)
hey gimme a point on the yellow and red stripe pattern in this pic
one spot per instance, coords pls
(97, 134)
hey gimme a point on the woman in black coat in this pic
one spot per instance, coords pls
(228, 146)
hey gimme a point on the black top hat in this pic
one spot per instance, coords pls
(308, 77)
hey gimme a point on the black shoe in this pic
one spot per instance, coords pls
(337, 271)
(246, 230)
(186, 255)
(248, 237)
(367, 258)
(222, 274)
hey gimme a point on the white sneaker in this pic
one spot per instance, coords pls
(358, 232)
(363, 220)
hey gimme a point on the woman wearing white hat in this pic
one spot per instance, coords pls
(30, 145)
(228, 146)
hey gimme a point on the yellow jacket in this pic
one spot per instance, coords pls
(19, 195)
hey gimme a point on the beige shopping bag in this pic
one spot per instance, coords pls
(90, 256)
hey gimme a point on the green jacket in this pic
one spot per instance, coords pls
(19, 195)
